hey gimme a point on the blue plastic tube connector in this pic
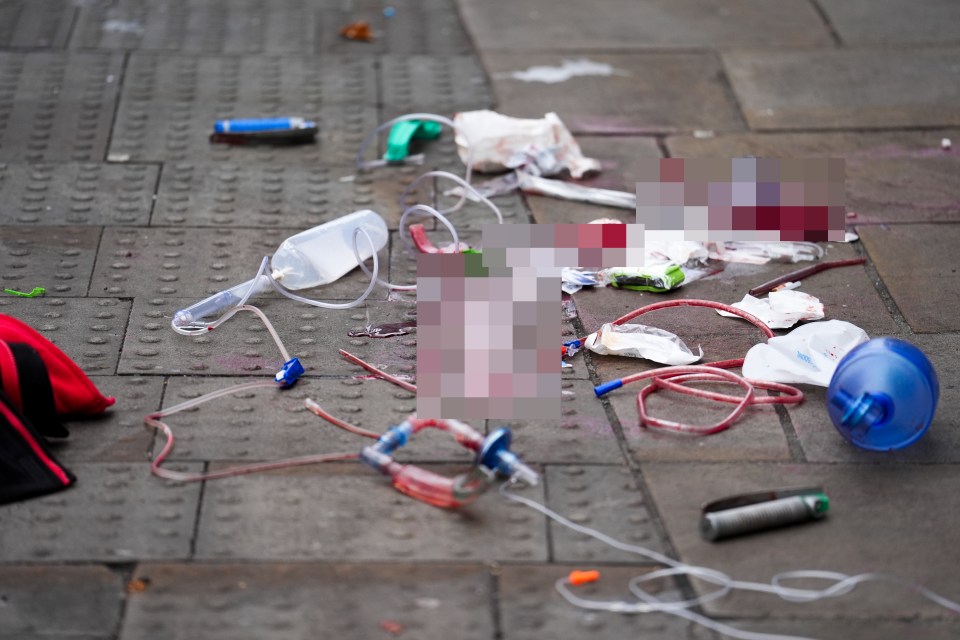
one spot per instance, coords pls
(607, 387)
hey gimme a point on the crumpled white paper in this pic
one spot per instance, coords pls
(780, 309)
(494, 142)
(808, 354)
(641, 341)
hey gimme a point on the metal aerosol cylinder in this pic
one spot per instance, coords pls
(716, 525)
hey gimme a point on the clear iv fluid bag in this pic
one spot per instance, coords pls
(883, 394)
(313, 257)
(324, 254)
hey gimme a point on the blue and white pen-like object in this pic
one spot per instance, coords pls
(259, 125)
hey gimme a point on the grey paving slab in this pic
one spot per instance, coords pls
(118, 435)
(919, 267)
(420, 27)
(287, 601)
(33, 23)
(212, 27)
(862, 145)
(852, 628)
(848, 88)
(888, 518)
(605, 498)
(893, 21)
(647, 93)
(904, 190)
(170, 103)
(434, 83)
(821, 441)
(59, 259)
(263, 424)
(178, 134)
(662, 24)
(266, 196)
(847, 293)
(620, 158)
(82, 601)
(199, 262)
(721, 338)
(756, 435)
(69, 194)
(582, 434)
(115, 513)
(179, 260)
(531, 608)
(242, 346)
(431, 27)
(891, 176)
(356, 514)
(56, 107)
(89, 331)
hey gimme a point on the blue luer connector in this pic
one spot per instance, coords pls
(607, 387)
(288, 374)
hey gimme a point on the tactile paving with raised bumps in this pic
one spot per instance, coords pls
(263, 196)
(36, 23)
(242, 345)
(179, 261)
(58, 259)
(354, 512)
(262, 424)
(296, 601)
(582, 433)
(90, 331)
(249, 26)
(55, 106)
(169, 105)
(436, 84)
(605, 498)
(71, 194)
(116, 512)
(182, 261)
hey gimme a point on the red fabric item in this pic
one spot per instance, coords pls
(73, 392)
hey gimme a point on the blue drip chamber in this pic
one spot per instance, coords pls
(883, 394)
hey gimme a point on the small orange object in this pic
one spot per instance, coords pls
(577, 578)
(392, 627)
(357, 31)
(138, 585)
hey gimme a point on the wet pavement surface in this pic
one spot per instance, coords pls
(112, 198)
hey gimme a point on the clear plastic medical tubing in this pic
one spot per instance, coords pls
(418, 207)
(197, 327)
(467, 187)
(421, 116)
(648, 603)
